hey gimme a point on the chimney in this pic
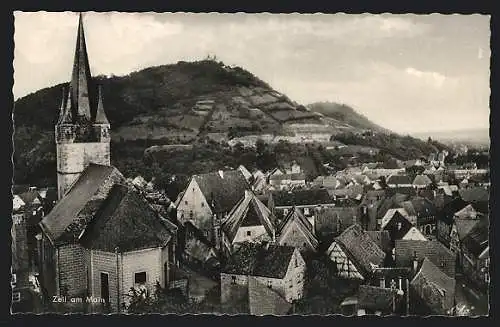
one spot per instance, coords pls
(415, 261)
(221, 174)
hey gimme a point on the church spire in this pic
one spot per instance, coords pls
(100, 117)
(81, 78)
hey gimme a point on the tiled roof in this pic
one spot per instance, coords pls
(249, 211)
(125, 221)
(474, 194)
(265, 301)
(301, 197)
(295, 216)
(422, 180)
(436, 280)
(363, 251)
(81, 198)
(434, 250)
(398, 179)
(420, 207)
(257, 260)
(222, 190)
(477, 239)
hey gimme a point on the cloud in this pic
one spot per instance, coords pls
(433, 78)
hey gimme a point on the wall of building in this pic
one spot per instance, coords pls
(72, 269)
(194, 207)
(345, 267)
(256, 232)
(294, 236)
(232, 289)
(108, 263)
(148, 260)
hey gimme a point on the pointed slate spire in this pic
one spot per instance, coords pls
(100, 117)
(67, 117)
(81, 78)
(62, 109)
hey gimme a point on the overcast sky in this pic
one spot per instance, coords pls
(408, 73)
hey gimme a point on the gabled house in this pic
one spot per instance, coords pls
(102, 238)
(409, 251)
(280, 268)
(249, 221)
(297, 231)
(390, 214)
(355, 254)
(208, 199)
(17, 202)
(446, 218)
(424, 212)
(287, 181)
(399, 181)
(397, 227)
(434, 288)
(421, 181)
(281, 202)
(383, 240)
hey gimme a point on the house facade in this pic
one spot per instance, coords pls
(281, 268)
(297, 231)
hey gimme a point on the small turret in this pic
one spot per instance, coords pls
(100, 117)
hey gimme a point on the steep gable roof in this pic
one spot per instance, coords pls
(464, 226)
(398, 226)
(296, 217)
(422, 180)
(223, 189)
(361, 249)
(126, 221)
(301, 197)
(390, 214)
(440, 255)
(82, 197)
(435, 280)
(249, 211)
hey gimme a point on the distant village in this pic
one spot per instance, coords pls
(411, 240)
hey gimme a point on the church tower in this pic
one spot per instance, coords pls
(82, 131)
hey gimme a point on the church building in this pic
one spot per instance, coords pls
(102, 238)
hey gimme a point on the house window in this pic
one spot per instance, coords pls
(306, 211)
(296, 262)
(191, 214)
(202, 204)
(185, 202)
(249, 233)
(140, 278)
(16, 297)
(304, 244)
(13, 281)
(233, 279)
(269, 284)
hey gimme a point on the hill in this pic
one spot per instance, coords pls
(341, 113)
(185, 103)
